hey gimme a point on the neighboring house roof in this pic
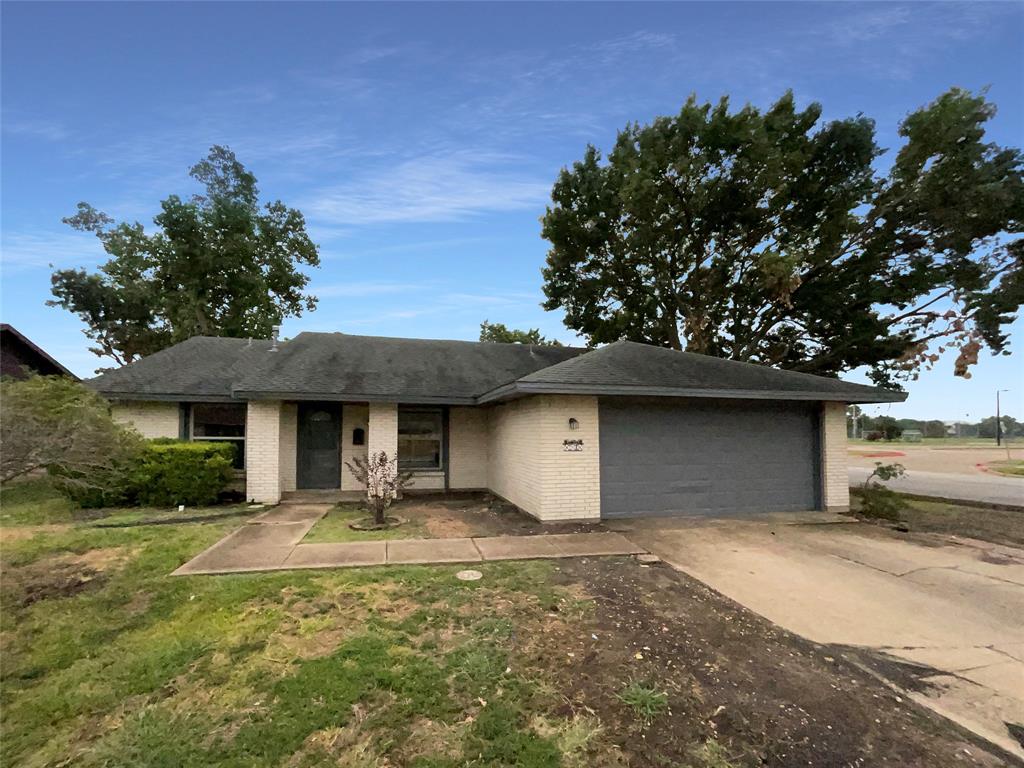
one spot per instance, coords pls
(629, 368)
(335, 366)
(19, 356)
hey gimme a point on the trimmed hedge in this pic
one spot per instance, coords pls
(174, 472)
(165, 473)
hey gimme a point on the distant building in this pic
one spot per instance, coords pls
(19, 357)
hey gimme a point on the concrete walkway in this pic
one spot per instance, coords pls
(271, 542)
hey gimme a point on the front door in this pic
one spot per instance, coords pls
(318, 462)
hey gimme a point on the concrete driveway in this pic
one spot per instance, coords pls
(942, 618)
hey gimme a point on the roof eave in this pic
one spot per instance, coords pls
(356, 397)
(172, 397)
(522, 389)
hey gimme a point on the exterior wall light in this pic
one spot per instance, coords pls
(573, 424)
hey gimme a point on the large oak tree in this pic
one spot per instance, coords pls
(769, 236)
(218, 264)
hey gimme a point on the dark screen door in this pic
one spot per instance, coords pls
(319, 446)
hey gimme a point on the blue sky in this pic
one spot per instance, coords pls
(421, 140)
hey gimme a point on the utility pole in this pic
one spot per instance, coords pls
(999, 419)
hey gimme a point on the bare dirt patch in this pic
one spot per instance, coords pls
(738, 687)
(23, 532)
(61, 575)
(454, 516)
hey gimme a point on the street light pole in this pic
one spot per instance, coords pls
(999, 420)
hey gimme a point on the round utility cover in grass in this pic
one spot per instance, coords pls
(469, 575)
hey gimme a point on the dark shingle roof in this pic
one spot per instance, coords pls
(201, 368)
(335, 366)
(627, 367)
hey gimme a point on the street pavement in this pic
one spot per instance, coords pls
(984, 487)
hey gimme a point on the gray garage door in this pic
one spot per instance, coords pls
(708, 457)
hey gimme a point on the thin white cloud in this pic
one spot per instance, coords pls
(448, 187)
(21, 251)
(359, 289)
(48, 130)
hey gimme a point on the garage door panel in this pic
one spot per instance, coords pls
(712, 457)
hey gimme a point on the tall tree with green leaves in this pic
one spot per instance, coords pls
(769, 237)
(499, 332)
(218, 264)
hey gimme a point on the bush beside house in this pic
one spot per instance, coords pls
(57, 425)
(164, 473)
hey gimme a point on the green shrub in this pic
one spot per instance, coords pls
(164, 473)
(176, 472)
(881, 503)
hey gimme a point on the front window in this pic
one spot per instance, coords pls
(419, 438)
(220, 421)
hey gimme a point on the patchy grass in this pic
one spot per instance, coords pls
(1011, 468)
(645, 701)
(334, 526)
(108, 661)
(995, 525)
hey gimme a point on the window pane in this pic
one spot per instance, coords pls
(419, 454)
(226, 420)
(425, 423)
(419, 439)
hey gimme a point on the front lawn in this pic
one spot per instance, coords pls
(440, 517)
(108, 661)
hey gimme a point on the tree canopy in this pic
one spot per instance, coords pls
(501, 333)
(769, 237)
(218, 264)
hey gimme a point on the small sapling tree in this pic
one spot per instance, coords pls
(383, 481)
(877, 500)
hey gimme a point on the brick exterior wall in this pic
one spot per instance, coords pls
(150, 419)
(289, 445)
(834, 477)
(352, 417)
(382, 434)
(468, 438)
(263, 451)
(528, 463)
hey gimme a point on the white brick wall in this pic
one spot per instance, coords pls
(835, 480)
(263, 451)
(467, 447)
(150, 419)
(528, 463)
(382, 434)
(352, 417)
(288, 445)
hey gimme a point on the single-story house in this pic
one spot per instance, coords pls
(20, 357)
(563, 433)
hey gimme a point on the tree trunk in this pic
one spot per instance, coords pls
(379, 517)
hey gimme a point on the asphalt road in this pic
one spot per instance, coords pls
(990, 488)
